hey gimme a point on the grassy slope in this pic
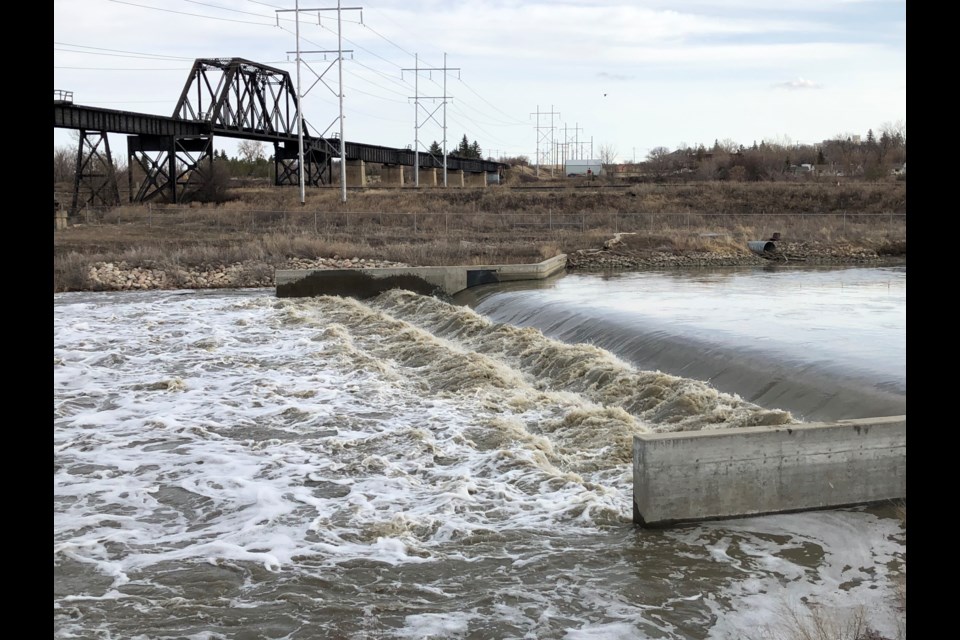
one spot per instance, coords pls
(523, 221)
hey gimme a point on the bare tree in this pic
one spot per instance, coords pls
(64, 164)
(893, 143)
(608, 154)
(895, 130)
(659, 160)
(250, 150)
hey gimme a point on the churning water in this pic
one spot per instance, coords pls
(234, 465)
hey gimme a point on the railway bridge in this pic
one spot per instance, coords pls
(231, 98)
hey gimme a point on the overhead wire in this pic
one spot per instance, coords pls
(276, 23)
(193, 15)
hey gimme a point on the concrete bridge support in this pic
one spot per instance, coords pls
(366, 283)
(356, 173)
(729, 473)
(428, 177)
(455, 178)
(391, 175)
(478, 179)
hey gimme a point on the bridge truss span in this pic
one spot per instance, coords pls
(236, 95)
(227, 97)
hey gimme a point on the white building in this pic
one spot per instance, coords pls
(582, 167)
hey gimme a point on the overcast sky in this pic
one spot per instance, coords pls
(627, 75)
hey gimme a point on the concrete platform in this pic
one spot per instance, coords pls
(708, 475)
(366, 283)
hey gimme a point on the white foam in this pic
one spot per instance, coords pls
(246, 431)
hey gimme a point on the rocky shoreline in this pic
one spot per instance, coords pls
(786, 253)
(121, 276)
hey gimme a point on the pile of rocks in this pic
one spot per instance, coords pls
(121, 276)
(620, 259)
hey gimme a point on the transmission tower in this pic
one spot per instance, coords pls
(339, 93)
(416, 97)
(570, 140)
(545, 138)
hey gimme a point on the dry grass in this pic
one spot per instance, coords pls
(807, 622)
(479, 226)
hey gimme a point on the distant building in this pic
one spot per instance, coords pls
(581, 167)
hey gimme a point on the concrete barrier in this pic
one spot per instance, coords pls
(366, 283)
(708, 475)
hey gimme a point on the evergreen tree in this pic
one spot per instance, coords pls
(435, 149)
(464, 147)
(475, 151)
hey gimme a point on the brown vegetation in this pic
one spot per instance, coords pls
(519, 223)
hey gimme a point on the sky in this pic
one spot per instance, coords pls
(522, 78)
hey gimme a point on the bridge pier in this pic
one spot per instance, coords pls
(180, 164)
(391, 175)
(455, 178)
(476, 179)
(356, 173)
(428, 177)
(94, 174)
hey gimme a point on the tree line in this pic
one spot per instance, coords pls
(873, 156)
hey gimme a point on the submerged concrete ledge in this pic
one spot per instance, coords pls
(709, 475)
(366, 283)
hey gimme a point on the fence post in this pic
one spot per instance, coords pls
(414, 222)
(550, 215)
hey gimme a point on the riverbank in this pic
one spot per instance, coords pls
(124, 275)
(243, 242)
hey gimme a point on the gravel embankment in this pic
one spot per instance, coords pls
(120, 276)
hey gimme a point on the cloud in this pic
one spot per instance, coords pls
(799, 83)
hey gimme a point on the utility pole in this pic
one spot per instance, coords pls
(541, 137)
(570, 141)
(339, 93)
(430, 115)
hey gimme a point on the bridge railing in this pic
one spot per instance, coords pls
(61, 96)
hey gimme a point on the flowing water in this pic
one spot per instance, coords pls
(233, 465)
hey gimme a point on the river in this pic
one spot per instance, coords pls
(228, 464)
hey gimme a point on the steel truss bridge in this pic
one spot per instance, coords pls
(228, 97)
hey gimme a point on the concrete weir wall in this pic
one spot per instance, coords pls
(365, 283)
(708, 475)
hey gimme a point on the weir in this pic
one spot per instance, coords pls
(447, 280)
(718, 474)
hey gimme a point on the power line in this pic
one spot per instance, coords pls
(193, 15)
(474, 123)
(489, 103)
(136, 53)
(214, 6)
(119, 68)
